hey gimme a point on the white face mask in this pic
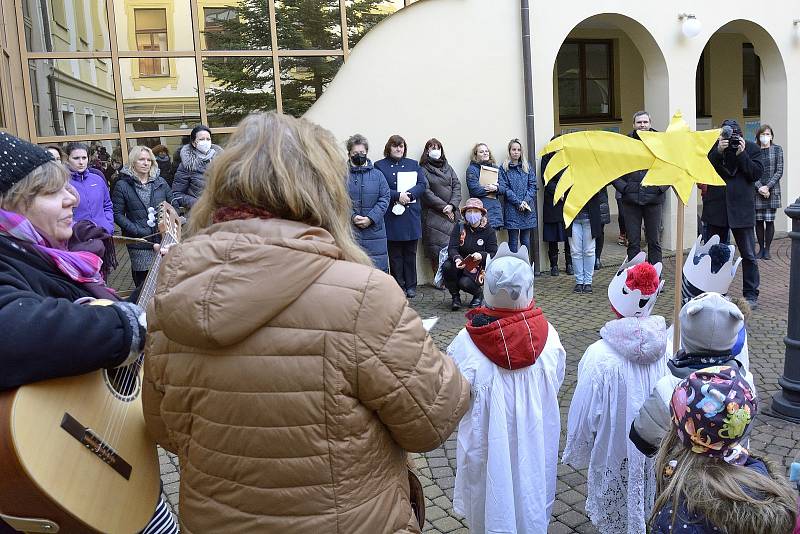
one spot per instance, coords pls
(204, 145)
(765, 138)
(434, 153)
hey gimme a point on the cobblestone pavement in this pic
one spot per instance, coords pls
(578, 319)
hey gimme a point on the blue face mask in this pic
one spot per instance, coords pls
(472, 217)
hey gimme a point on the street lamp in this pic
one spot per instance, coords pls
(786, 402)
(691, 27)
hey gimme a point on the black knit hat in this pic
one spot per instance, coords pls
(17, 159)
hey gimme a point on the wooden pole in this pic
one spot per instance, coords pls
(676, 331)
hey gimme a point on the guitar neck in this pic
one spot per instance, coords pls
(149, 285)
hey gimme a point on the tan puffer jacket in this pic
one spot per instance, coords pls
(291, 384)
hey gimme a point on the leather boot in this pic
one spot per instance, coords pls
(456, 305)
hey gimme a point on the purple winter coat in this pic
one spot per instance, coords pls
(95, 204)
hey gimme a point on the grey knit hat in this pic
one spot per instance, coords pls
(17, 159)
(710, 323)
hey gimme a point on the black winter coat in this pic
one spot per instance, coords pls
(733, 205)
(46, 335)
(605, 210)
(466, 240)
(550, 213)
(190, 181)
(595, 219)
(631, 188)
(130, 213)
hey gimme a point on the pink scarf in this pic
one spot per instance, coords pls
(82, 267)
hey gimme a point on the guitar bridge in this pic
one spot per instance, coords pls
(89, 439)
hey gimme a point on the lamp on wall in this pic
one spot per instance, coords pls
(691, 27)
(796, 23)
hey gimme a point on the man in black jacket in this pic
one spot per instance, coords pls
(641, 203)
(738, 162)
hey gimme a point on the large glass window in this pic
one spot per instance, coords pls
(169, 103)
(65, 91)
(303, 79)
(162, 53)
(308, 24)
(362, 15)
(236, 86)
(66, 25)
(243, 25)
(751, 81)
(585, 80)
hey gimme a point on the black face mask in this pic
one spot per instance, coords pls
(358, 159)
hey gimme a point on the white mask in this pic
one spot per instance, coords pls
(765, 138)
(203, 145)
(434, 153)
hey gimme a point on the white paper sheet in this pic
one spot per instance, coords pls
(427, 324)
(405, 181)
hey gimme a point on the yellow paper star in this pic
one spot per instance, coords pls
(681, 157)
(593, 159)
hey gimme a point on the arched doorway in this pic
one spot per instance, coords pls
(741, 75)
(608, 68)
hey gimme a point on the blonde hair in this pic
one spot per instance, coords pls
(133, 155)
(523, 160)
(725, 495)
(45, 179)
(290, 167)
(474, 158)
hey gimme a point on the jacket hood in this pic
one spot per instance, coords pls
(638, 339)
(513, 339)
(193, 159)
(232, 278)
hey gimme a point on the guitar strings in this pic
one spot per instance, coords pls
(130, 373)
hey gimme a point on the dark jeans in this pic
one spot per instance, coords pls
(138, 277)
(403, 263)
(746, 243)
(621, 218)
(651, 215)
(515, 236)
(552, 253)
(455, 280)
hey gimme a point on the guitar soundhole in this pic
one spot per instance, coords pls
(123, 382)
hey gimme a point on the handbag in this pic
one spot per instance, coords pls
(438, 279)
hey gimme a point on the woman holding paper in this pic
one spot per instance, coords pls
(519, 181)
(482, 182)
(403, 221)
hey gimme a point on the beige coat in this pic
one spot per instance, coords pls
(291, 383)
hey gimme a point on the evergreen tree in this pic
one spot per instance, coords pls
(246, 84)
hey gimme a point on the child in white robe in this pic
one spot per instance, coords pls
(615, 376)
(507, 450)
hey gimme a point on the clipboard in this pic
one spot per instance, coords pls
(489, 176)
(405, 181)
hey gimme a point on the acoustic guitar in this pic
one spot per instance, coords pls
(75, 456)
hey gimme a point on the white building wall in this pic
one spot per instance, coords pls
(451, 69)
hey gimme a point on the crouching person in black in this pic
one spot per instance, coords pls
(471, 242)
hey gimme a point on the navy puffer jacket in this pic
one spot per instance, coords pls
(370, 195)
(520, 186)
(493, 205)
